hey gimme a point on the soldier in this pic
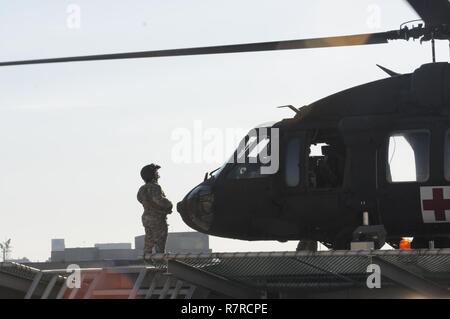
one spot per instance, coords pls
(156, 209)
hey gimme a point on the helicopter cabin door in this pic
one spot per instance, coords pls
(325, 165)
(413, 182)
(312, 172)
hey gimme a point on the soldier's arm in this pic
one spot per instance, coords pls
(139, 196)
(158, 199)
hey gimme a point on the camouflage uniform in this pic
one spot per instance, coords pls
(154, 219)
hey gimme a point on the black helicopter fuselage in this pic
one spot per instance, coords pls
(381, 148)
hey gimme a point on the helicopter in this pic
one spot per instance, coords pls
(376, 154)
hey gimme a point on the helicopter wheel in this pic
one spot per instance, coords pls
(307, 245)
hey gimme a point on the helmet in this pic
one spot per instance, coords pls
(148, 172)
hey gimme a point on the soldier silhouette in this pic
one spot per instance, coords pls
(156, 208)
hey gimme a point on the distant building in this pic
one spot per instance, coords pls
(180, 243)
(99, 252)
(113, 246)
(58, 245)
(187, 242)
(19, 261)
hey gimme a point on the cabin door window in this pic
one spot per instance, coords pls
(409, 156)
(326, 161)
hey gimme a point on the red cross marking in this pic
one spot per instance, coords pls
(438, 204)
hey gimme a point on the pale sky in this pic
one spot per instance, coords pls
(74, 136)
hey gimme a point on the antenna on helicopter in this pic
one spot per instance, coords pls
(389, 72)
(433, 47)
(293, 108)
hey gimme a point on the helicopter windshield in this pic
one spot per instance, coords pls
(240, 153)
(253, 153)
(253, 157)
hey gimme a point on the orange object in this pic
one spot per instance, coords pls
(405, 244)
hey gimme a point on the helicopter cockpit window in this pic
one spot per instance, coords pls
(326, 162)
(409, 156)
(251, 158)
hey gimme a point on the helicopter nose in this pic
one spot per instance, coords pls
(196, 208)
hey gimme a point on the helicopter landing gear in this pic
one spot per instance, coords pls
(375, 234)
(307, 245)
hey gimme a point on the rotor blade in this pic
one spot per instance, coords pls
(433, 12)
(350, 40)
